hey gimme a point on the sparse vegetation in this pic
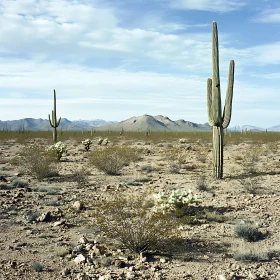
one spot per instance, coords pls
(112, 159)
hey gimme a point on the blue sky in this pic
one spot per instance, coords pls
(114, 59)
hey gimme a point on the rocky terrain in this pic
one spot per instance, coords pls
(48, 230)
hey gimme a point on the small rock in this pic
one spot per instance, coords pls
(65, 272)
(80, 259)
(78, 205)
(59, 223)
(45, 217)
(83, 240)
(120, 264)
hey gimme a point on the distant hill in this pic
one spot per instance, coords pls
(43, 124)
(155, 123)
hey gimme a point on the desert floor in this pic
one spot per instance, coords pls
(48, 231)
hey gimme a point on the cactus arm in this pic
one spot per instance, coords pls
(50, 121)
(216, 92)
(228, 102)
(209, 102)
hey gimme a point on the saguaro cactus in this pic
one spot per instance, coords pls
(217, 119)
(53, 121)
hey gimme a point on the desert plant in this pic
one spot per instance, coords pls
(17, 183)
(247, 231)
(36, 161)
(53, 121)
(251, 184)
(58, 149)
(175, 200)
(87, 143)
(131, 222)
(38, 267)
(112, 159)
(201, 183)
(81, 177)
(218, 120)
(250, 160)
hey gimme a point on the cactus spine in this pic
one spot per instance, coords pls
(53, 121)
(217, 119)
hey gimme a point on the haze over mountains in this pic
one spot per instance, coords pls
(141, 123)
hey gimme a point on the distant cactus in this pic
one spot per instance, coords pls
(218, 120)
(53, 121)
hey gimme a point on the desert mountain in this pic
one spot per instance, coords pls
(155, 123)
(43, 124)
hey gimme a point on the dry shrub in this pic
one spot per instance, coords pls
(131, 221)
(176, 157)
(250, 160)
(112, 159)
(38, 162)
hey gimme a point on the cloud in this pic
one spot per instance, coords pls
(208, 5)
(269, 15)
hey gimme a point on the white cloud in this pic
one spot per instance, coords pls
(269, 16)
(208, 5)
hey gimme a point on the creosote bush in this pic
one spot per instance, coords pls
(112, 159)
(38, 162)
(131, 221)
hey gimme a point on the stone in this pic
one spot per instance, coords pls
(78, 205)
(45, 217)
(80, 259)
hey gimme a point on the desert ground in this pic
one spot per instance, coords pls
(49, 228)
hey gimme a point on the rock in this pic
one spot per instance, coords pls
(78, 205)
(59, 223)
(80, 259)
(120, 264)
(45, 217)
(83, 240)
(65, 272)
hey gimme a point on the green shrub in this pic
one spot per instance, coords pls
(112, 159)
(247, 231)
(132, 222)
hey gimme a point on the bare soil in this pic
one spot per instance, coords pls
(41, 232)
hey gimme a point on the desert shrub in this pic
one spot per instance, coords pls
(38, 162)
(201, 183)
(250, 159)
(16, 183)
(81, 177)
(248, 252)
(251, 184)
(4, 186)
(131, 221)
(176, 157)
(38, 267)
(112, 159)
(50, 190)
(146, 168)
(247, 231)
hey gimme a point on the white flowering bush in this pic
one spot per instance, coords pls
(87, 143)
(58, 149)
(183, 141)
(174, 201)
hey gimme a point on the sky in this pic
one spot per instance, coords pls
(115, 59)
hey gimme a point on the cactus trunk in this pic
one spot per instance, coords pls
(218, 138)
(53, 121)
(218, 120)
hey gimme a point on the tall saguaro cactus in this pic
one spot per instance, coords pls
(53, 121)
(217, 119)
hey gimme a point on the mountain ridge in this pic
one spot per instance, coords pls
(140, 123)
